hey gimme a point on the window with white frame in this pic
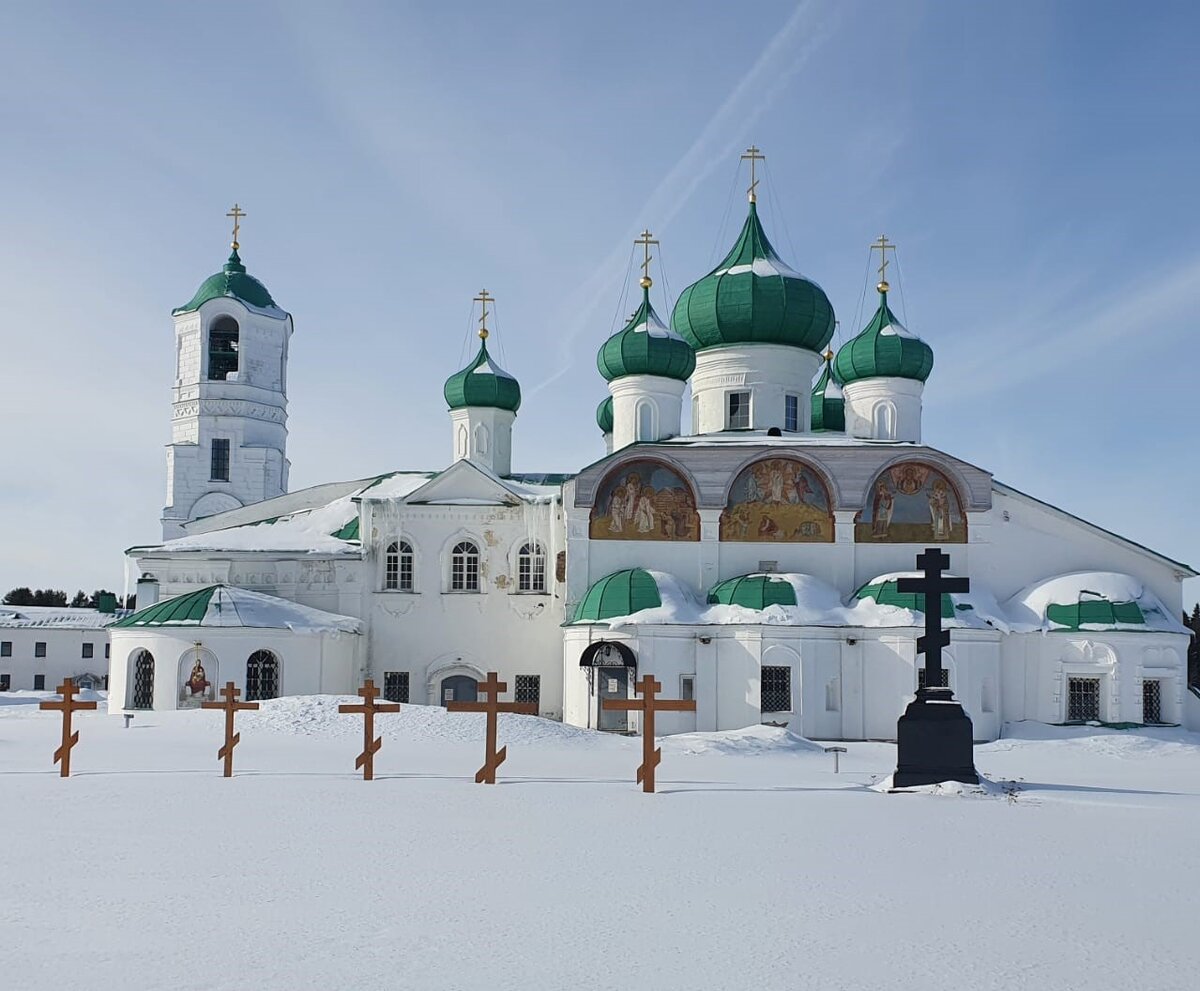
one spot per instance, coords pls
(528, 689)
(531, 568)
(464, 567)
(398, 567)
(738, 411)
(395, 686)
(791, 413)
(1083, 700)
(776, 689)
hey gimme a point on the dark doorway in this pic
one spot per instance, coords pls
(459, 688)
(612, 683)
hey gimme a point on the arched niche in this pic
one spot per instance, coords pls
(644, 500)
(778, 500)
(911, 503)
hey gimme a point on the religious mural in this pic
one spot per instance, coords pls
(197, 678)
(644, 500)
(777, 500)
(911, 503)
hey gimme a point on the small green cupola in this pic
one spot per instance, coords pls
(828, 404)
(232, 281)
(483, 383)
(604, 416)
(752, 297)
(884, 349)
(646, 346)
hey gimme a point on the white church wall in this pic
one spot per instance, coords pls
(820, 688)
(669, 653)
(769, 372)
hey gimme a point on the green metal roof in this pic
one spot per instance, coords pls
(884, 349)
(644, 346)
(349, 531)
(753, 591)
(618, 594)
(604, 415)
(233, 281)
(483, 383)
(752, 297)
(885, 593)
(828, 405)
(1095, 612)
(188, 609)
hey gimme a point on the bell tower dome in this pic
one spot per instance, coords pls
(229, 405)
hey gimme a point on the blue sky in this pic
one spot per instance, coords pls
(1035, 162)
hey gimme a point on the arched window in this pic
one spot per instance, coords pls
(481, 439)
(141, 694)
(531, 568)
(464, 567)
(222, 348)
(645, 421)
(884, 426)
(460, 445)
(262, 676)
(398, 567)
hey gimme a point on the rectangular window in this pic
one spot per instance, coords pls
(5, 681)
(1152, 702)
(776, 689)
(89, 650)
(695, 414)
(107, 651)
(220, 460)
(687, 687)
(39, 682)
(6, 648)
(39, 648)
(739, 411)
(395, 686)
(791, 413)
(1083, 700)
(529, 689)
(923, 678)
(833, 695)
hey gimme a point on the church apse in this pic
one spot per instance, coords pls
(911, 503)
(644, 500)
(778, 499)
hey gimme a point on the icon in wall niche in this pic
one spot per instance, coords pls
(778, 499)
(197, 678)
(644, 500)
(911, 503)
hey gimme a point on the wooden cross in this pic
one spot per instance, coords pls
(649, 704)
(755, 156)
(237, 213)
(483, 299)
(492, 689)
(883, 246)
(231, 706)
(368, 708)
(645, 240)
(62, 756)
(932, 586)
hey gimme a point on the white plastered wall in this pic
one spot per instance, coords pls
(769, 372)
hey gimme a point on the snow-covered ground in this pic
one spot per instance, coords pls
(754, 867)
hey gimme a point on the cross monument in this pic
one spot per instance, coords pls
(368, 708)
(68, 705)
(649, 704)
(231, 705)
(491, 689)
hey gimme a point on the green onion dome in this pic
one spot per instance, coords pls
(619, 594)
(232, 281)
(884, 349)
(483, 383)
(645, 346)
(604, 416)
(828, 405)
(753, 592)
(753, 298)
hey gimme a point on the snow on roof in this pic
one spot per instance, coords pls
(1029, 608)
(60, 617)
(760, 437)
(229, 606)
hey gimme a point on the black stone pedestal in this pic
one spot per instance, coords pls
(934, 741)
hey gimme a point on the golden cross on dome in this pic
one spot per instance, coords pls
(883, 246)
(237, 213)
(645, 240)
(755, 156)
(483, 299)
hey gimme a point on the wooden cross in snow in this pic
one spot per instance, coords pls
(368, 708)
(68, 705)
(649, 704)
(932, 585)
(231, 706)
(491, 689)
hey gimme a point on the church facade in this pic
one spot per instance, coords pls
(741, 539)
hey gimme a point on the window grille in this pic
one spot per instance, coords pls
(398, 566)
(143, 681)
(220, 460)
(1083, 700)
(1152, 701)
(39, 682)
(923, 678)
(262, 676)
(739, 411)
(687, 687)
(791, 413)
(222, 349)
(89, 650)
(39, 648)
(5, 682)
(395, 686)
(6, 648)
(531, 569)
(776, 692)
(529, 688)
(464, 567)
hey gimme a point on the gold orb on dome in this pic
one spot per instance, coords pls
(883, 287)
(645, 282)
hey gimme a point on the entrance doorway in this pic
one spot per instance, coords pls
(459, 688)
(611, 683)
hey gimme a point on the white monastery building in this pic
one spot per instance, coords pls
(744, 550)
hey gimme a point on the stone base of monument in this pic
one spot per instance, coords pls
(934, 742)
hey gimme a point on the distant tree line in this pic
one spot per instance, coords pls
(25, 596)
(1192, 622)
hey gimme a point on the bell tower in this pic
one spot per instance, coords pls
(229, 404)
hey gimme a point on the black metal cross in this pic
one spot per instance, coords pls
(933, 585)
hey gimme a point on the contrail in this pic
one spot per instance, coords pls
(780, 60)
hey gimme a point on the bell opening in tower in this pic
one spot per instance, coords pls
(222, 349)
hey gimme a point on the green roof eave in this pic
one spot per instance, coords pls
(757, 591)
(232, 281)
(619, 594)
(183, 610)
